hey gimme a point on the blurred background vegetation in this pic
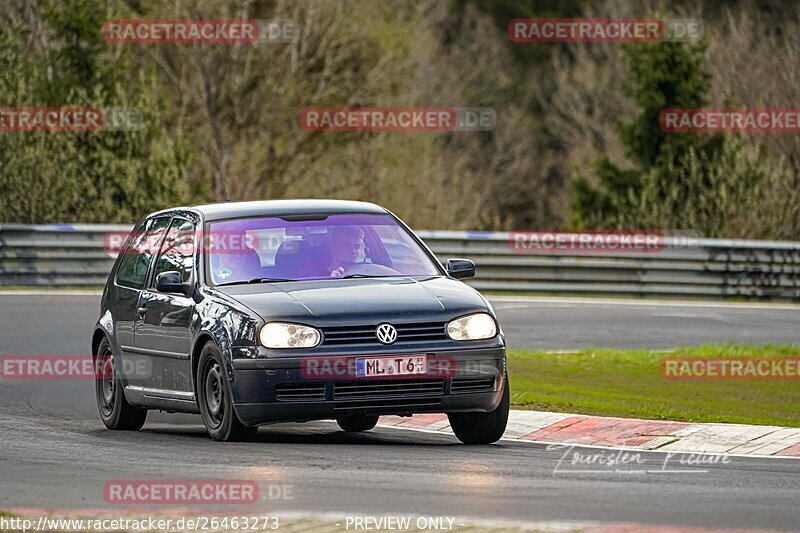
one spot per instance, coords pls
(577, 143)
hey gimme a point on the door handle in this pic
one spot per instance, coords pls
(142, 310)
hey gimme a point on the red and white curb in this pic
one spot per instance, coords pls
(561, 428)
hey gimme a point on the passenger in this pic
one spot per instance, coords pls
(232, 259)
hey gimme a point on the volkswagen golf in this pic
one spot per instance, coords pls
(250, 313)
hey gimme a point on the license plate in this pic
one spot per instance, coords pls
(395, 365)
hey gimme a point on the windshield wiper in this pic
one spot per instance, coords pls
(351, 276)
(254, 280)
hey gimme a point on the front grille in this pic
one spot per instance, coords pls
(387, 389)
(471, 384)
(418, 332)
(298, 392)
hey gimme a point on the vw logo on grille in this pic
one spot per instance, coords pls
(386, 333)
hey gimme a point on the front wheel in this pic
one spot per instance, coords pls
(115, 411)
(482, 428)
(214, 399)
(354, 424)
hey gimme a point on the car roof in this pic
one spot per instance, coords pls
(226, 210)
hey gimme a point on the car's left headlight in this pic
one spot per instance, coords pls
(286, 335)
(472, 327)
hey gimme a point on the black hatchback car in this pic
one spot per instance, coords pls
(250, 313)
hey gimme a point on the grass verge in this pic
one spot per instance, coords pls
(629, 383)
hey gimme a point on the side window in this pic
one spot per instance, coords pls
(177, 252)
(144, 243)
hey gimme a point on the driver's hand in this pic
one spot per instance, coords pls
(338, 273)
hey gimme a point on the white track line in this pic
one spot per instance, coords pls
(69, 292)
(646, 303)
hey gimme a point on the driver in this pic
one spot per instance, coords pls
(347, 242)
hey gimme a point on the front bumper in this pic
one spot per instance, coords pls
(283, 389)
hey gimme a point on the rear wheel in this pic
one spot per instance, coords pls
(115, 411)
(482, 428)
(214, 399)
(354, 424)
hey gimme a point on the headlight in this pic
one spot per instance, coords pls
(472, 327)
(284, 335)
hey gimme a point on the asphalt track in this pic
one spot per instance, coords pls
(55, 453)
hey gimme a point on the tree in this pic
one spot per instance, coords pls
(53, 55)
(713, 183)
(663, 75)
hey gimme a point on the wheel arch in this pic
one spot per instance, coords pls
(97, 337)
(104, 329)
(202, 339)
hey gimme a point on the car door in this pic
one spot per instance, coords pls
(163, 330)
(129, 281)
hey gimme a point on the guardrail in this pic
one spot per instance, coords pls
(74, 255)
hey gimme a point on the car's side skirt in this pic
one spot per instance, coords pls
(167, 400)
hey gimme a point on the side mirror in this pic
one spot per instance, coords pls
(460, 268)
(171, 281)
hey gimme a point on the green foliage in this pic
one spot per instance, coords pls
(592, 205)
(714, 184)
(232, 111)
(731, 190)
(93, 176)
(663, 75)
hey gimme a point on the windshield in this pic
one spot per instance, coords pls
(329, 246)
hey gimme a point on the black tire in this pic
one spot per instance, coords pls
(482, 428)
(354, 424)
(214, 399)
(115, 411)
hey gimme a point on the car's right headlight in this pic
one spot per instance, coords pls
(472, 327)
(287, 335)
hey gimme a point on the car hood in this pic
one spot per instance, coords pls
(360, 301)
